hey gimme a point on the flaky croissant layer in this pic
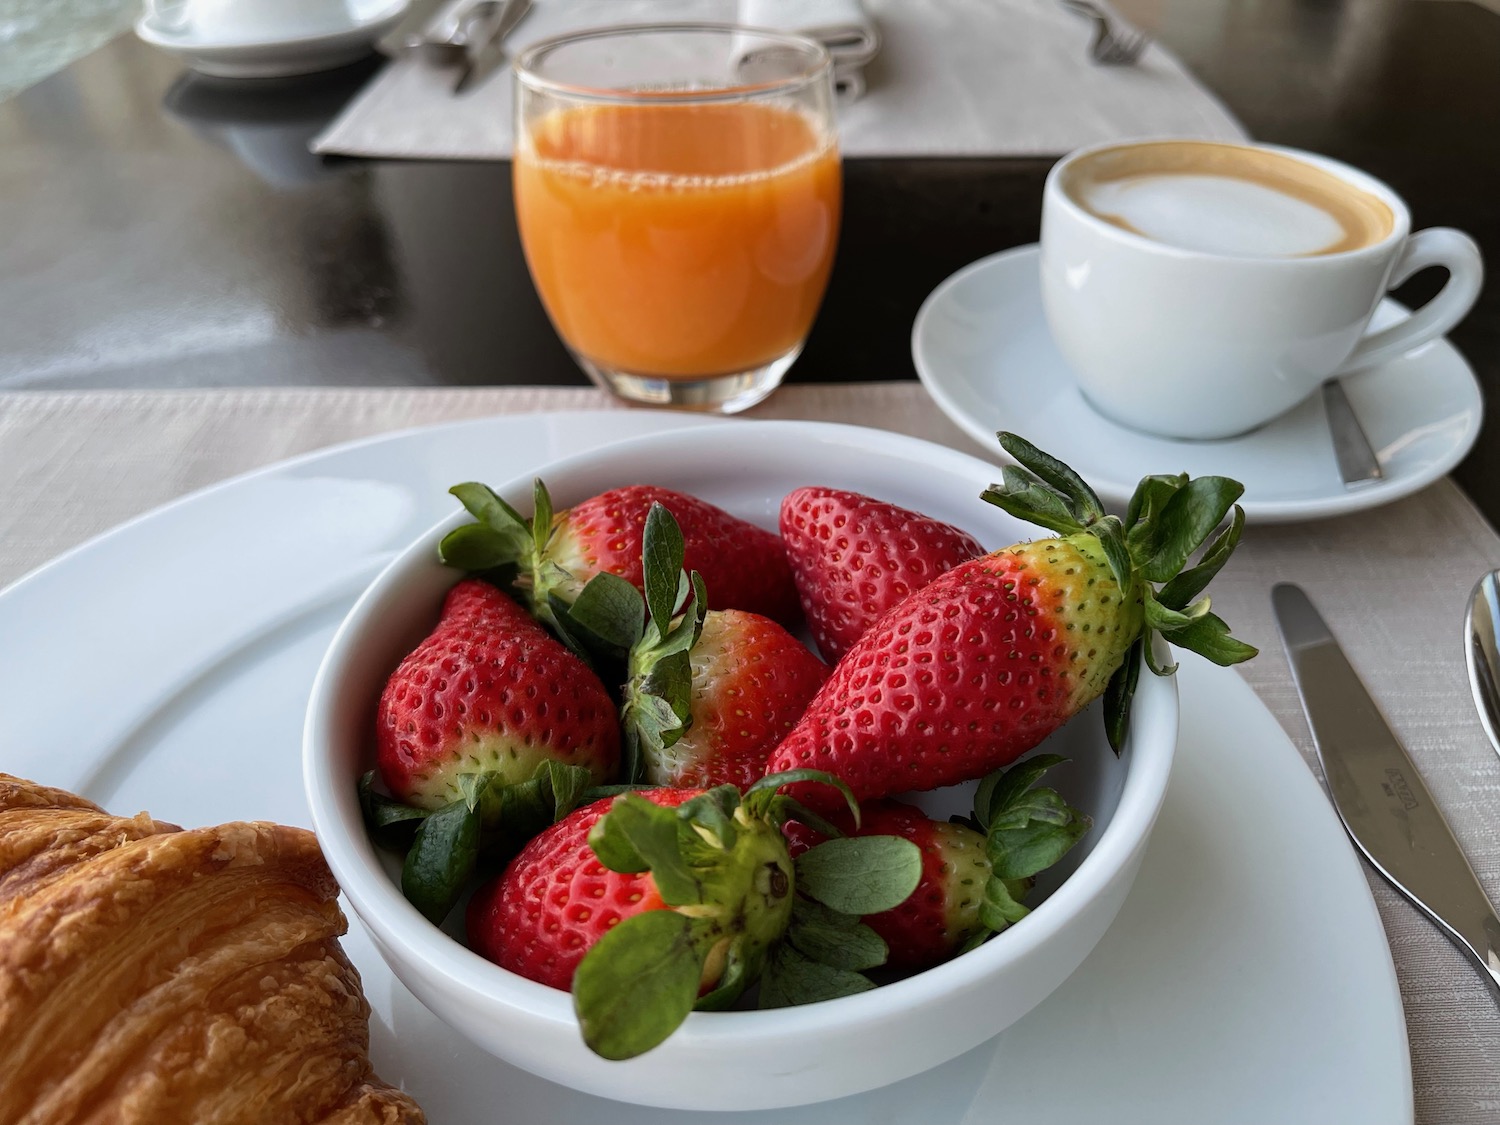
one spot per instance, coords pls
(154, 975)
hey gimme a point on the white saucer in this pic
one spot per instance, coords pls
(982, 349)
(293, 49)
(1225, 993)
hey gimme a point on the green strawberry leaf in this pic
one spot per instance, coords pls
(1181, 590)
(976, 939)
(1112, 540)
(1084, 501)
(1027, 497)
(1150, 497)
(486, 506)
(475, 788)
(389, 821)
(1002, 789)
(441, 860)
(833, 938)
(742, 968)
(639, 835)
(567, 785)
(558, 616)
(1034, 834)
(790, 978)
(1208, 636)
(1039, 804)
(998, 909)
(612, 610)
(684, 635)
(639, 982)
(1153, 661)
(1118, 696)
(661, 566)
(860, 874)
(541, 516)
(713, 812)
(474, 547)
(1165, 620)
(659, 704)
(1185, 522)
(772, 782)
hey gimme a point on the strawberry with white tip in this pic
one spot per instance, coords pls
(653, 903)
(489, 708)
(708, 693)
(976, 872)
(986, 661)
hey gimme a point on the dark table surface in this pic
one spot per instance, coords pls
(163, 230)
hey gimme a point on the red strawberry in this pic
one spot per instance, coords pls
(984, 662)
(710, 693)
(649, 904)
(943, 912)
(557, 555)
(751, 682)
(489, 692)
(957, 904)
(854, 557)
(556, 900)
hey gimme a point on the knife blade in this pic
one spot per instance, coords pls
(1378, 792)
(486, 49)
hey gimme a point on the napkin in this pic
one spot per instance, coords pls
(842, 26)
(952, 78)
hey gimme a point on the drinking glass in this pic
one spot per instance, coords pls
(678, 192)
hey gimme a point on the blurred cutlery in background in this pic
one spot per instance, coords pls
(484, 40)
(1115, 42)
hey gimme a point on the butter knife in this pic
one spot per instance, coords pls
(1378, 792)
(486, 50)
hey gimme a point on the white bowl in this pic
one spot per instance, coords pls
(741, 1059)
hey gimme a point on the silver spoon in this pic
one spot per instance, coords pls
(1482, 652)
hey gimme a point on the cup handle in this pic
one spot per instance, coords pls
(1436, 246)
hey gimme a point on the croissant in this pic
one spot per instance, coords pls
(165, 977)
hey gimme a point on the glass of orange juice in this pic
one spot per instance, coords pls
(678, 191)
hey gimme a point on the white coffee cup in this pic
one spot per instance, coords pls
(1195, 308)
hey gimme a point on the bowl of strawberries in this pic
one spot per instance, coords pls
(759, 764)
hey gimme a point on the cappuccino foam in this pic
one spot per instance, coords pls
(1225, 199)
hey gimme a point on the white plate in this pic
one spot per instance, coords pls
(303, 47)
(166, 666)
(981, 347)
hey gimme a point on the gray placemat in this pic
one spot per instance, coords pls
(1392, 583)
(952, 78)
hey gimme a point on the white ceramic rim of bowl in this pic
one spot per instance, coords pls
(395, 922)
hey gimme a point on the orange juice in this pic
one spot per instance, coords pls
(679, 241)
